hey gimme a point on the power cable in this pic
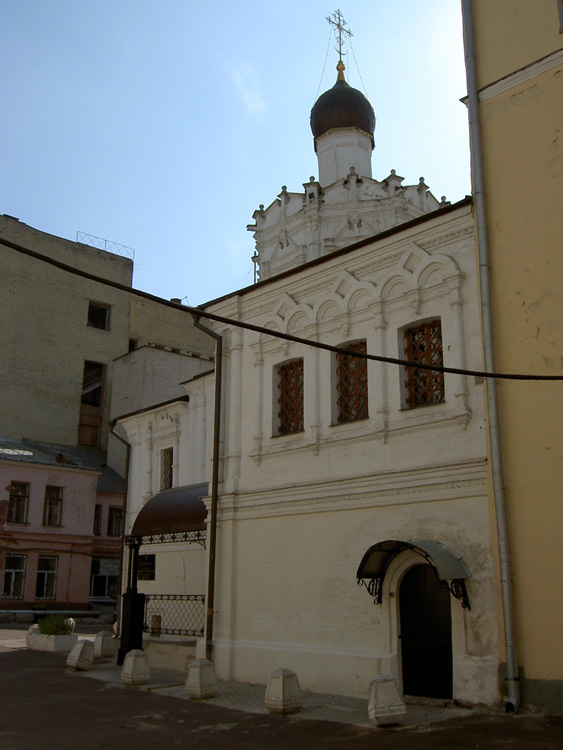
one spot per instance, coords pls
(200, 312)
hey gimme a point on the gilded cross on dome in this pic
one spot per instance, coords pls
(337, 20)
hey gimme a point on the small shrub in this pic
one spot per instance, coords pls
(55, 625)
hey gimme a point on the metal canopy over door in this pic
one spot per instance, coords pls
(426, 634)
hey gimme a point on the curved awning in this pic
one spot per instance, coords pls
(173, 511)
(448, 565)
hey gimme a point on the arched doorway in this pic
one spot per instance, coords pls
(426, 634)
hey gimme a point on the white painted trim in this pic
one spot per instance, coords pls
(521, 76)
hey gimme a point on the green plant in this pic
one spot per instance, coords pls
(55, 625)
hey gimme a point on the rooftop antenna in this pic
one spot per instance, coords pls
(339, 23)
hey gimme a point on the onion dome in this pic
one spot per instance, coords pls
(342, 107)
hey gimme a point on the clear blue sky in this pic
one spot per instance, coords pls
(163, 124)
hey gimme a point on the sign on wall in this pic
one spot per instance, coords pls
(147, 568)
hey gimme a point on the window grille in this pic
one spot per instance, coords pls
(290, 400)
(46, 584)
(14, 576)
(352, 384)
(53, 507)
(18, 502)
(423, 343)
(166, 461)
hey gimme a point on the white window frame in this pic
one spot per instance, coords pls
(49, 580)
(14, 580)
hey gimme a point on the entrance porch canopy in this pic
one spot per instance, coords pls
(175, 515)
(449, 566)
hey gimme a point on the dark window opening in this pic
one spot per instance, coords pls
(46, 584)
(97, 520)
(98, 316)
(115, 521)
(290, 400)
(53, 507)
(14, 576)
(423, 343)
(352, 384)
(104, 577)
(18, 502)
(91, 404)
(132, 344)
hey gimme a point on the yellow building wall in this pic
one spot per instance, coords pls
(511, 34)
(522, 140)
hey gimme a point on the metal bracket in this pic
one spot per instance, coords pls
(374, 587)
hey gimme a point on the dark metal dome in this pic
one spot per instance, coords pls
(342, 107)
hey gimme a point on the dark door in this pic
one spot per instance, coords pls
(426, 634)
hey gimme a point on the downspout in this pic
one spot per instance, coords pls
(513, 682)
(210, 599)
(125, 494)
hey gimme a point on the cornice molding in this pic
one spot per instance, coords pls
(412, 486)
(521, 76)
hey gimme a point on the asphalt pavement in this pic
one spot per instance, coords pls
(45, 706)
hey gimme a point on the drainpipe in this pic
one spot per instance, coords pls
(210, 599)
(513, 701)
(125, 494)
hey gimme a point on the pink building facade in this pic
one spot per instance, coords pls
(60, 535)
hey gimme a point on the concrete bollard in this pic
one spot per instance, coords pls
(104, 645)
(31, 631)
(283, 694)
(136, 670)
(81, 656)
(201, 681)
(385, 705)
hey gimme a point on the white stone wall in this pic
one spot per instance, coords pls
(298, 512)
(301, 227)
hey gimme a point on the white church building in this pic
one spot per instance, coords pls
(350, 533)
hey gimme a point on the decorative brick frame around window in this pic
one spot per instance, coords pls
(290, 399)
(423, 343)
(352, 384)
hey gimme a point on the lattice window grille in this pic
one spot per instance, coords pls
(166, 462)
(290, 399)
(423, 344)
(352, 384)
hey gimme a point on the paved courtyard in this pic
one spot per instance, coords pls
(44, 705)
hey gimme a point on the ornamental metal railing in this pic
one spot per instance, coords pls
(174, 614)
(195, 537)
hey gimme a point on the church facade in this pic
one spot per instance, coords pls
(352, 522)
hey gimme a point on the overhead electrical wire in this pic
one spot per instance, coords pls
(200, 312)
